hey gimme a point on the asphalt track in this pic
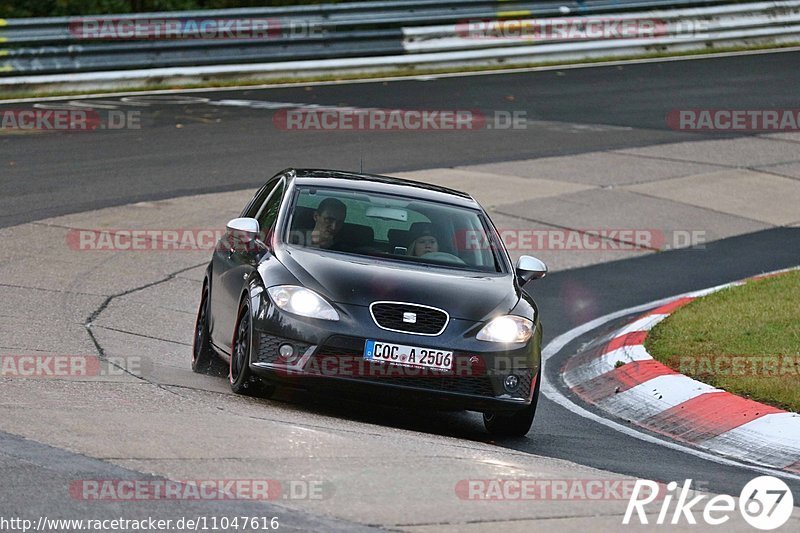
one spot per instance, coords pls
(219, 148)
(226, 148)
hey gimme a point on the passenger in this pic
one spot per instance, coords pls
(328, 222)
(424, 242)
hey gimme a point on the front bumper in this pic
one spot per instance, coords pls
(329, 356)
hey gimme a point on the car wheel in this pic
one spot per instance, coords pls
(241, 378)
(203, 356)
(517, 424)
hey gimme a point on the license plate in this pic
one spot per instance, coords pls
(399, 354)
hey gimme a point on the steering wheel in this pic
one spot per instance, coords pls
(443, 257)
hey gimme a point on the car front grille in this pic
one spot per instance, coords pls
(395, 316)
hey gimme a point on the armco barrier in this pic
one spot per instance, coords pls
(363, 36)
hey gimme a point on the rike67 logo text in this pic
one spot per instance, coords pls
(766, 503)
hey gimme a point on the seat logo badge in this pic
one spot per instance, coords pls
(410, 318)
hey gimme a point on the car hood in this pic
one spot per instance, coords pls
(360, 281)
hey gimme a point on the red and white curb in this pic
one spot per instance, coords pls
(617, 375)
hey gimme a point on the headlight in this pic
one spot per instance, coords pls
(302, 301)
(508, 328)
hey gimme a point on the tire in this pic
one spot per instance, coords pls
(517, 424)
(203, 356)
(240, 377)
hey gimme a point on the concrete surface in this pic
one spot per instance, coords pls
(743, 193)
(743, 152)
(790, 170)
(492, 189)
(600, 169)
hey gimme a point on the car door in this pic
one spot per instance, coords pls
(233, 261)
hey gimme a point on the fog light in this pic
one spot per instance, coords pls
(286, 351)
(511, 383)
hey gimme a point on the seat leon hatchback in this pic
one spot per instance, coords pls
(356, 283)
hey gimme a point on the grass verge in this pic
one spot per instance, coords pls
(743, 339)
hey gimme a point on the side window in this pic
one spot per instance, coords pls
(258, 200)
(268, 213)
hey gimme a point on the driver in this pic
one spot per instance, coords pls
(328, 222)
(423, 242)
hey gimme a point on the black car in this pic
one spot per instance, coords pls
(359, 283)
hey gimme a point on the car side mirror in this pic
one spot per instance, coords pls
(529, 268)
(246, 229)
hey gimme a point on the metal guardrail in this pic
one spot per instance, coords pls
(687, 25)
(347, 30)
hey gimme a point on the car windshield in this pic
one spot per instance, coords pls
(392, 228)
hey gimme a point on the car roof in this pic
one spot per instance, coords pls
(380, 184)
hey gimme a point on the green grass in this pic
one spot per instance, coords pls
(743, 339)
(226, 81)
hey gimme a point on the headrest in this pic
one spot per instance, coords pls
(303, 218)
(398, 237)
(356, 235)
